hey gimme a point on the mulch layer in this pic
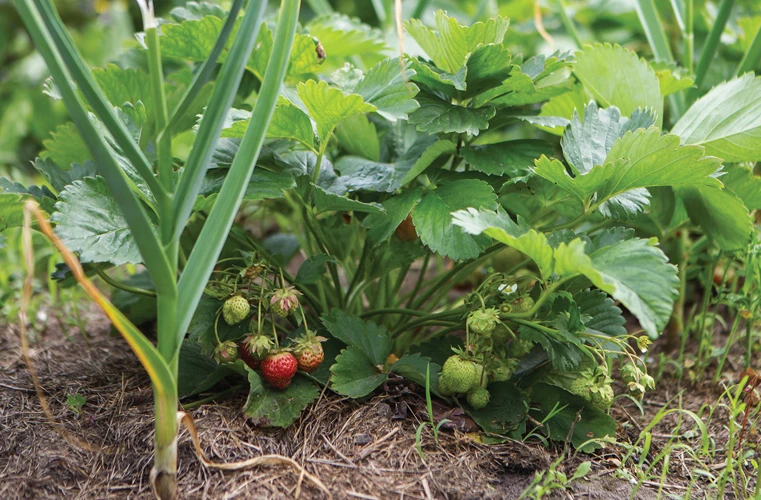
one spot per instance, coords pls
(358, 449)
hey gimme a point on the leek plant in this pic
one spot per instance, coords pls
(178, 287)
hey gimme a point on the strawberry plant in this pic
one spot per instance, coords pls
(545, 186)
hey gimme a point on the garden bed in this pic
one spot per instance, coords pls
(359, 449)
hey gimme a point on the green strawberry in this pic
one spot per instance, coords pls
(235, 310)
(500, 335)
(226, 352)
(459, 375)
(504, 370)
(522, 304)
(483, 321)
(445, 386)
(478, 398)
(602, 397)
(520, 348)
(284, 301)
(581, 387)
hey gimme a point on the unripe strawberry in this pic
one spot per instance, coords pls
(226, 352)
(284, 301)
(445, 386)
(519, 348)
(602, 397)
(235, 310)
(581, 387)
(503, 371)
(522, 305)
(310, 358)
(483, 321)
(459, 375)
(478, 398)
(279, 368)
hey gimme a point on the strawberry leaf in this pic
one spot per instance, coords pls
(312, 269)
(726, 121)
(325, 201)
(90, 223)
(720, 214)
(594, 423)
(511, 158)
(370, 339)
(268, 407)
(354, 375)
(618, 77)
(436, 115)
(413, 367)
(433, 220)
(381, 226)
(328, 106)
(386, 86)
(506, 410)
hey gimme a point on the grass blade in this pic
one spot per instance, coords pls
(321, 7)
(94, 95)
(216, 112)
(656, 36)
(752, 55)
(712, 43)
(205, 253)
(206, 71)
(121, 188)
(570, 28)
(420, 7)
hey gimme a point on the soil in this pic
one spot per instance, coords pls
(359, 450)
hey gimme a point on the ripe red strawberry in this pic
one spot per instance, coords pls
(248, 358)
(253, 349)
(279, 368)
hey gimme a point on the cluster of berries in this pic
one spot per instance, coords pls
(492, 350)
(464, 376)
(278, 365)
(594, 385)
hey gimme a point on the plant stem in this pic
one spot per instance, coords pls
(313, 226)
(420, 7)
(441, 282)
(711, 45)
(689, 36)
(676, 330)
(360, 269)
(122, 286)
(542, 298)
(428, 320)
(320, 7)
(752, 55)
(164, 473)
(392, 310)
(568, 24)
(420, 279)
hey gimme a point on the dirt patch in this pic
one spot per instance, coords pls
(360, 450)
